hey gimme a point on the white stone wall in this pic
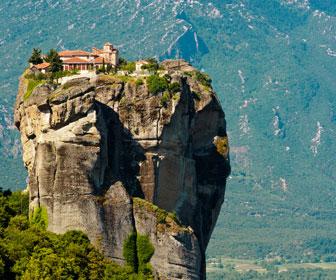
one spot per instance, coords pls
(90, 74)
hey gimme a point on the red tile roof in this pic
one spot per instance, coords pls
(73, 53)
(142, 62)
(75, 60)
(99, 60)
(42, 65)
(97, 50)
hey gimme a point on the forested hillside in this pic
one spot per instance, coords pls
(272, 65)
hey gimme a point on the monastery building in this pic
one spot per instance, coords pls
(88, 61)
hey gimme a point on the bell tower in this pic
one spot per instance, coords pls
(108, 47)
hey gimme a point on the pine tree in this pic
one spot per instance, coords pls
(36, 57)
(54, 60)
(52, 53)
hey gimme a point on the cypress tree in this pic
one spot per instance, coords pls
(108, 68)
(130, 251)
(145, 251)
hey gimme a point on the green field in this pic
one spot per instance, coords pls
(230, 268)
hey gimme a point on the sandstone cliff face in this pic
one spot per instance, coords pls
(101, 155)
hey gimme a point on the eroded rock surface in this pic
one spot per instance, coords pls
(93, 149)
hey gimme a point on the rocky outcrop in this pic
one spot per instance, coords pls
(105, 156)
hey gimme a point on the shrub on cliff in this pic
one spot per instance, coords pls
(156, 84)
(165, 99)
(174, 88)
(139, 82)
(130, 251)
(204, 79)
(196, 95)
(137, 251)
(145, 251)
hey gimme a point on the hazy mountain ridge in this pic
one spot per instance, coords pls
(272, 64)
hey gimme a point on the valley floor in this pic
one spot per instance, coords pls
(229, 268)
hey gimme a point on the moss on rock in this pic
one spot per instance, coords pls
(222, 145)
(165, 220)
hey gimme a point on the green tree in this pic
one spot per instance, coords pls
(122, 61)
(6, 212)
(145, 251)
(50, 56)
(12, 204)
(174, 88)
(137, 251)
(19, 202)
(55, 61)
(19, 223)
(130, 66)
(40, 217)
(156, 84)
(36, 57)
(139, 82)
(4, 261)
(28, 251)
(152, 66)
(130, 251)
(108, 67)
(45, 264)
(152, 60)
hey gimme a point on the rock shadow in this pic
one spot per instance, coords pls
(123, 153)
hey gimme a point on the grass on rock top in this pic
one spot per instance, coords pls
(116, 78)
(32, 84)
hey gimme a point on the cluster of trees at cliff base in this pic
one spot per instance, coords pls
(29, 251)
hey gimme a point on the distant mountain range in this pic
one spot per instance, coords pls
(273, 68)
